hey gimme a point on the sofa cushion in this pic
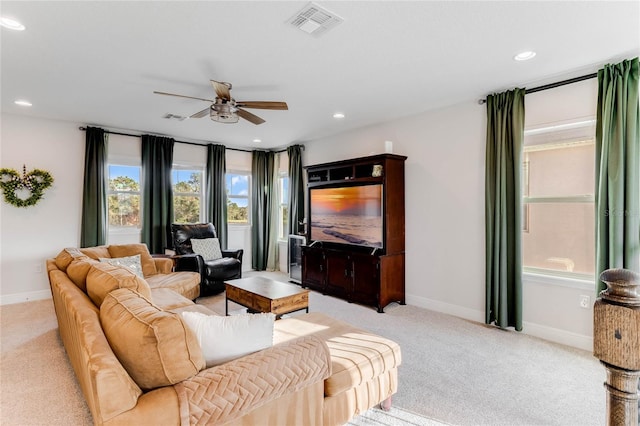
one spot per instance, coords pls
(167, 299)
(124, 250)
(78, 270)
(223, 339)
(155, 347)
(357, 356)
(131, 262)
(66, 256)
(185, 283)
(104, 278)
(96, 252)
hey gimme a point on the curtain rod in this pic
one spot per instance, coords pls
(553, 85)
(186, 143)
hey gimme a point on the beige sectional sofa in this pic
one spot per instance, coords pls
(319, 370)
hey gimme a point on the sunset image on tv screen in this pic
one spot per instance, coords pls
(350, 215)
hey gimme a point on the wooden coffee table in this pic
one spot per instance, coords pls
(260, 294)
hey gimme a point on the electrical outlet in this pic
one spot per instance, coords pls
(585, 301)
(38, 268)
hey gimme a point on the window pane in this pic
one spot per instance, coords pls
(560, 237)
(186, 181)
(124, 210)
(124, 196)
(237, 210)
(237, 184)
(560, 171)
(186, 209)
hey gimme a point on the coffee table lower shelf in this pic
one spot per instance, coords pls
(260, 294)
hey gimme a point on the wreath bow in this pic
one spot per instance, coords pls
(25, 190)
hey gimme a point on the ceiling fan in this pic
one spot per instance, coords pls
(225, 109)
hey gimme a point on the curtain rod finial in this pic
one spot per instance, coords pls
(482, 101)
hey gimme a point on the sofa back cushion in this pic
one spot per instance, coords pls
(103, 278)
(78, 270)
(96, 252)
(66, 256)
(155, 347)
(124, 250)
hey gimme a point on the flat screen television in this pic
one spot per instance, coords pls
(347, 215)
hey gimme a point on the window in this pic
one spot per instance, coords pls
(187, 195)
(283, 210)
(237, 198)
(558, 208)
(124, 197)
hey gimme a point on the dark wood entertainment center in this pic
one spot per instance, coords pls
(359, 273)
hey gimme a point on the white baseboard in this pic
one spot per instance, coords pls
(532, 329)
(556, 335)
(445, 308)
(10, 299)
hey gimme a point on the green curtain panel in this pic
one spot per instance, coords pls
(216, 210)
(157, 194)
(505, 134)
(617, 169)
(262, 190)
(296, 189)
(93, 230)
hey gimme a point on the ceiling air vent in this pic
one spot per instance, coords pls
(315, 20)
(170, 116)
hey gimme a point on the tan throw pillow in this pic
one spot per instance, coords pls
(208, 248)
(124, 250)
(78, 270)
(66, 256)
(155, 347)
(131, 262)
(104, 278)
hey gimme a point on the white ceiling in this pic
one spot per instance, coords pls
(98, 63)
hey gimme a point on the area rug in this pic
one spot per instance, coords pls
(394, 417)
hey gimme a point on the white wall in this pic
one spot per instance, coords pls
(31, 235)
(445, 210)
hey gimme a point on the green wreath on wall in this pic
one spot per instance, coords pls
(25, 190)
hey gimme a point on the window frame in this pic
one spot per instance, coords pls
(283, 203)
(200, 195)
(574, 279)
(125, 230)
(239, 196)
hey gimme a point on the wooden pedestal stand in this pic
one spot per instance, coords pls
(616, 342)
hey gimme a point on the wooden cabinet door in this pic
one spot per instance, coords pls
(313, 268)
(339, 273)
(366, 280)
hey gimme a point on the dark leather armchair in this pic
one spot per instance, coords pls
(213, 273)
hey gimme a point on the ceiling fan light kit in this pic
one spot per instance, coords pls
(225, 109)
(223, 114)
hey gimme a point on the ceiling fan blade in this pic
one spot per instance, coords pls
(262, 104)
(222, 90)
(201, 114)
(183, 96)
(249, 117)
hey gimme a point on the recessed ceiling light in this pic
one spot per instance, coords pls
(525, 56)
(22, 102)
(257, 140)
(338, 115)
(11, 24)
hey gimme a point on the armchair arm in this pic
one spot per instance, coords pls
(189, 262)
(237, 254)
(231, 390)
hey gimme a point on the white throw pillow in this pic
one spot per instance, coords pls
(223, 339)
(131, 262)
(208, 248)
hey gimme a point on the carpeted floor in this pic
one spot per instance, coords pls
(453, 371)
